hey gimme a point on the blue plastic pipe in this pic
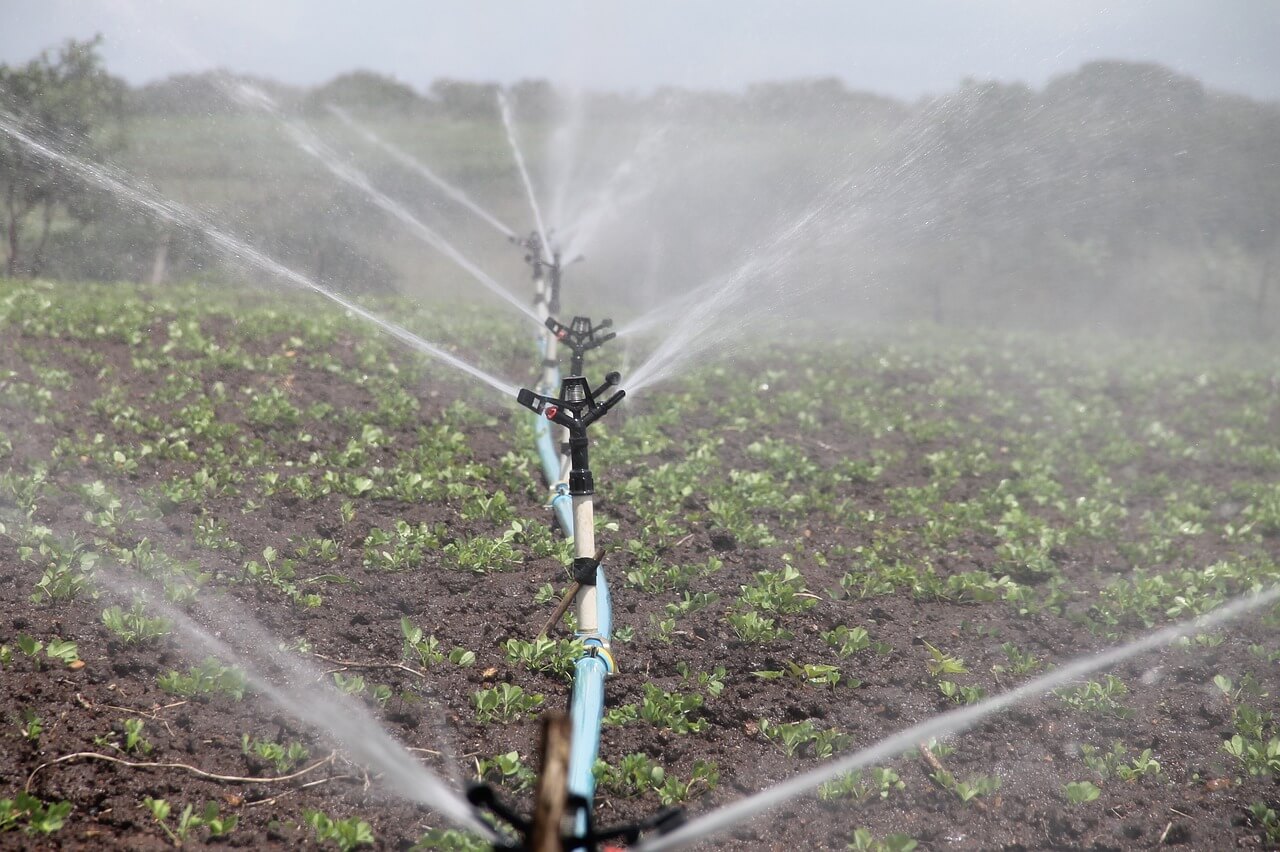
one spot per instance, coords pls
(586, 712)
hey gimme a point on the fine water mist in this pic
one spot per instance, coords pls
(296, 690)
(236, 249)
(951, 722)
(509, 124)
(307, 141)
(420, 168)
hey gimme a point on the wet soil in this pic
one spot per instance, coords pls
(1199, 802)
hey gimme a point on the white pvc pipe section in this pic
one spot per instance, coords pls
(584, 545)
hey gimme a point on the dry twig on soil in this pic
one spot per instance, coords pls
(212, 776)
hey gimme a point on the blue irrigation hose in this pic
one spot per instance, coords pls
(586, 712)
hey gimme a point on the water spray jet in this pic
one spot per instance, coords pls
(233, 248)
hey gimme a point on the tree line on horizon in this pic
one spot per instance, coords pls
(1120, 189)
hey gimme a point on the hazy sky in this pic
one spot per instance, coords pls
(904, 49)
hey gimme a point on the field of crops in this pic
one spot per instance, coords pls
(810, 548)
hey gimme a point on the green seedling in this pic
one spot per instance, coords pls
(864, 841)
(507, 769)
(188, 821)
(1020, 662)
(712, 681)
(968, 790)
(793, 737)
(556, 656)
(1081, 792)
(134, 626)
(1097, 697)
(637, 774)
(944, 664)
(33, 815)
(850, 640)
(863, 785)
(753, 627)
(347, 834)
(505, 703)
(132, 741)
(1258, 757)
(208, 678)
(1117, 762)
(349, 684)
(283, 758)
(1266, 819)
(31, 726)
(425, 650)
(782, 592)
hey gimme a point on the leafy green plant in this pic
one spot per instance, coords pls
(969, 789)
(481, 555)
(1097, 697)
(1258, 757)
(944, 664)
(280, 756)
(794, 737)
(505, 703)
(129, 739)
(1266, 819)
(636, 774)
(712, 681)
(782, 592)
(556, 656)
(31, 725)
(1081, 792)
(813, 674)
(1116, 762)
(850, 640)
(188, 820)
(862, 785)
(753, 627)
(134, 626)
(207, 678)
(1020, 662)
(425, 649)
(33, 815)
(507, 769)
(347, 834)
(864, 841)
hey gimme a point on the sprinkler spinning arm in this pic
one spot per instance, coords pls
(580, 336)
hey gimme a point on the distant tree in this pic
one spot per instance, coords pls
(466, 100)
(68, 100)
(368, 90)
(535, 100)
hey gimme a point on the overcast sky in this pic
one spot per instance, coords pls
(900, 48)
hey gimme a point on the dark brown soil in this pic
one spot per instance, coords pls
(1199, 802)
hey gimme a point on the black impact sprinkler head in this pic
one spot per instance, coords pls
(580, 336)
(575, 409)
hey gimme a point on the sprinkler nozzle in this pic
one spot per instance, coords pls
(580, 336)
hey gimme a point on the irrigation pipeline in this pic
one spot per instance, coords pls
(949, 723)
(564, 407)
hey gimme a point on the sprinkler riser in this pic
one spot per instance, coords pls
(585, 565)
